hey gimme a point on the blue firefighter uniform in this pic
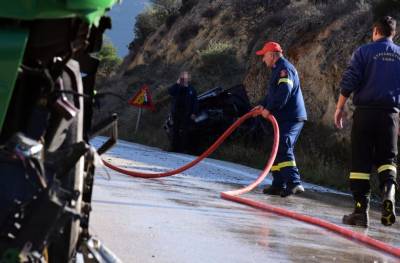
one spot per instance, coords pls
(285, 101)
(373, 76)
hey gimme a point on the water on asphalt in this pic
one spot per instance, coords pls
(183, 219)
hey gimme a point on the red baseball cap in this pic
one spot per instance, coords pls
(269, 47)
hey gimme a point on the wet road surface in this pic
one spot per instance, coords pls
(183, 219)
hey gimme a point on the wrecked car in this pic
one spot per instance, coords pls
(218, 109)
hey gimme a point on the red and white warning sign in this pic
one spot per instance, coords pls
(142, 98)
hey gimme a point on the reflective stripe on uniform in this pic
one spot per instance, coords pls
(287, 164)
(275, 168)
(387, 167)
(285, 80)
(279, 166)
(360, 176)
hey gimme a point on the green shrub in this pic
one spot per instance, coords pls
(165, 8)
(155, 15)
(226, 18)
(171, 20)
(210, 13)
(109, 60)
(146, 24)
(331, 10)
(230, 31)
(216, 49)
(186, 33)
(217, 57)
(187, 5)
(247, 7)
(319, 2)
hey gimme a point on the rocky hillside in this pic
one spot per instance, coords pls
(216, 40)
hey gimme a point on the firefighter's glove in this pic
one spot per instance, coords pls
(256, 110)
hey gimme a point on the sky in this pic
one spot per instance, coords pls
(123, 18)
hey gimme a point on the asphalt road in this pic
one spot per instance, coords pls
(183, 219)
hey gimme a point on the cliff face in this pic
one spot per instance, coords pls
(318, 37)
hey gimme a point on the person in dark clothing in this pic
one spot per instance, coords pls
(373, 77)
(184, 110)
(285, 101)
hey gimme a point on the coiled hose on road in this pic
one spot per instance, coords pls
(233, 195)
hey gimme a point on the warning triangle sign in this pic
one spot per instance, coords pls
(142, 98)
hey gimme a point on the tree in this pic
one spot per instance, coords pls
(146, 24)
(153, 17)
(166, 8)
(109, 60)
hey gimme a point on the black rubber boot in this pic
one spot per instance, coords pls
(272, 190)
(388, 204)
(292, 190)
(360, 216)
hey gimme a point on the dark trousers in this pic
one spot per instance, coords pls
(180, 130)
(285, 171)
(373, 143)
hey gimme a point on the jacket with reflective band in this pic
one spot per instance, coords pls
(374, 75)
(284, 98)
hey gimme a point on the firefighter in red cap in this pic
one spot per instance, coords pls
(373, 76)
(285, 101)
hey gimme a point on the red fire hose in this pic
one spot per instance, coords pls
(233, 195)
(209, 151)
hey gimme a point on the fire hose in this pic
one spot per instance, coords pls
(234, 195)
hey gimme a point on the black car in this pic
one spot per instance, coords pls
(218, 109)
